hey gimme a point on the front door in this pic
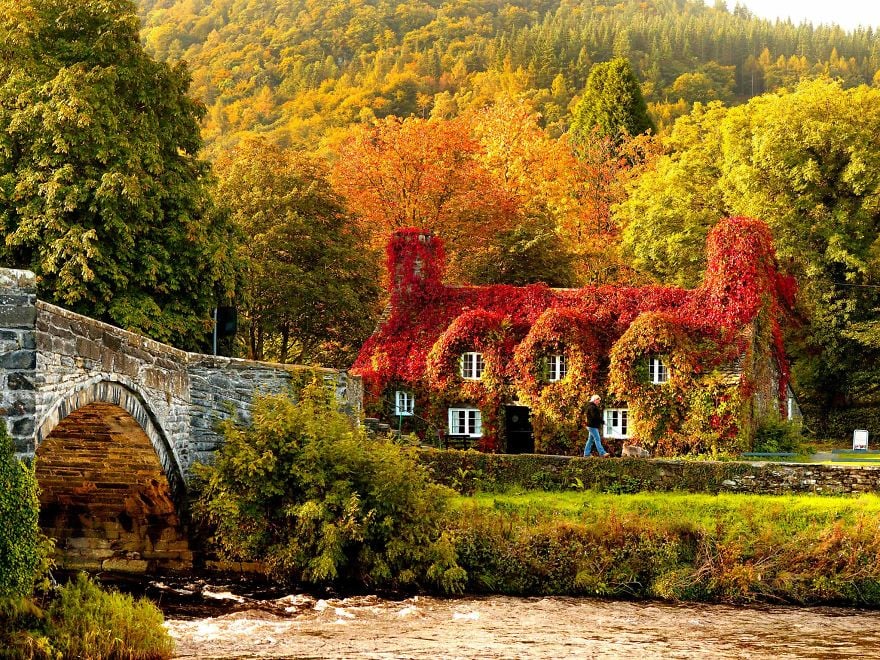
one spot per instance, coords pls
(518, 430)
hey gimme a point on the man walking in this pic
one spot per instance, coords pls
(594, 423)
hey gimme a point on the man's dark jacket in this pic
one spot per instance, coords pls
(594, 417)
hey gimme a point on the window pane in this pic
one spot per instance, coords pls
(476, 422)
(457, 422)
(563, 367)
(466, 366)
(478, 365)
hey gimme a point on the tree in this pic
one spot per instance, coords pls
(417, 173)
(101, 190)
(600, 174)
(613, 101)
(310, 286)
(671, 208)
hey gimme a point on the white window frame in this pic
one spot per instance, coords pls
(404, 403)
(658, 372)
(617, 423)
(472, 365)
(558, 367)
(466, 421)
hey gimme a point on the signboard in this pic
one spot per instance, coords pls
(860, 440)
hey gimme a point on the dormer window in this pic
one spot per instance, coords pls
(472, 366)
(558, 367)
(404, 403)
(657, 371)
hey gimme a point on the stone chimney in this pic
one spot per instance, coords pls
(416, 261)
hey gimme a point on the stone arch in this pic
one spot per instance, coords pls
(124, 395)
(112, 494)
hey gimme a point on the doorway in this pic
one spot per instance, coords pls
(519, 436)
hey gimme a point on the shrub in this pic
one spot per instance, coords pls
(320, 502)
(23, 548)
(22, 630)
(730, 548)
(777, 435)
(87, 622)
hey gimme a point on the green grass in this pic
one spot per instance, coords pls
(734, 512)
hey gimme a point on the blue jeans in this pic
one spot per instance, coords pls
(593, 438)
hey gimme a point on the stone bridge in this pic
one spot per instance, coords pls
(116, 422)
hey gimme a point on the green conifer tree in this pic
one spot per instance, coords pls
(612, 101)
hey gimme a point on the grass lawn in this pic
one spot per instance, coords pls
(735, 513)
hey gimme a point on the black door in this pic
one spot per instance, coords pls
(518, 429)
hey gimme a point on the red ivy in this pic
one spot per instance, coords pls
(429, 318)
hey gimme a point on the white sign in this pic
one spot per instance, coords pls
(860, 439)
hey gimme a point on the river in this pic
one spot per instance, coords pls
(226, 625)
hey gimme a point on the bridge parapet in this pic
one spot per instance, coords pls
(18, 351)
(54, 361)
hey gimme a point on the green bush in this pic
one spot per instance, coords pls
(87, 622)
(321, 502)
(23, 548)
(777, 435)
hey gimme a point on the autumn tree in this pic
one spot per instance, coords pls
(531, 176)
(601, 169)
(310, 286)
(613, 101)
(101, 189)
(419, 173)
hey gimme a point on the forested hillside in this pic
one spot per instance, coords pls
(297, 68)
(515, 130)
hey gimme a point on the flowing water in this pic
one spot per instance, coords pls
(225, 625)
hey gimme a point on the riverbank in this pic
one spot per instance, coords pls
(673, 546)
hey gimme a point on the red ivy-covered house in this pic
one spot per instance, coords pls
(512, 368)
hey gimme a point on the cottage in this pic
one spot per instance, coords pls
(507, 368)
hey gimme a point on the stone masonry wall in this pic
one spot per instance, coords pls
(53, 361)
(224, 387)
(18, 296)
(469, 471)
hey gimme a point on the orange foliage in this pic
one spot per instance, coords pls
(603, 170)
(413, 172)
(470, 178)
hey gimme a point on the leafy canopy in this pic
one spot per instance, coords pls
(808, 163)
(309, 283)
(101, 191)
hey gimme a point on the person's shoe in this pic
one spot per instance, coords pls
(606, 455)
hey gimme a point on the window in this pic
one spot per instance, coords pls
(558, 368)
(465, 421)
(472, 366)
(657, 371)
(616, 423)
(404, 402)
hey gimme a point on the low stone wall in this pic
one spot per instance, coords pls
(469, 470)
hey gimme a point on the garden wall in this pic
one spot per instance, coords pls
(467, 471)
